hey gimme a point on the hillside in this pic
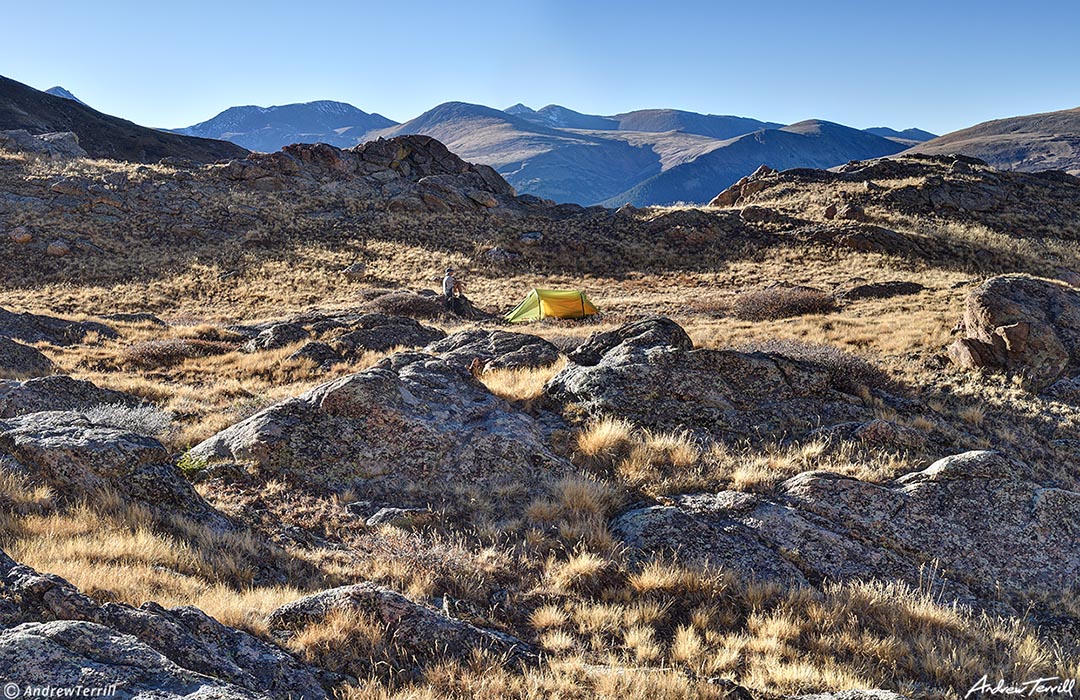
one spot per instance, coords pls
(267, 129)
(101, 135)
(245, 452)
(1048, 141)
(808, 144)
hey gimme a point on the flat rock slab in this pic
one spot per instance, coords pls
(56, 393)
(990, 532)
(35, 328)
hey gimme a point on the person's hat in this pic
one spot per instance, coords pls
(449, 269)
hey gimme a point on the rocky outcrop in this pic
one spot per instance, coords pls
(410, 173)
(35, 328)
(339, 337)
(721, 394)
(380, 332)
(59, 145)
(418, 631)
(56, 393)
(972, 526)
(654, 332)
(18, 360)
(78, 459)
(414, 430)
(744, 188)
(1023, 325)
(55, 635)
(495, 349)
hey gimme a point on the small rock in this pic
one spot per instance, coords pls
(830, 211)
(21, 236)
(531, 238)
(400, 517)
(58, 249)
(277, 336)
(354, 272)
(501, 255)
(851, 212)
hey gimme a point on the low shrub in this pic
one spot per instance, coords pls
(168, 352)
(782, 302)
(409, 304)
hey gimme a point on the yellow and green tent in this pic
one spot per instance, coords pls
(551, 303)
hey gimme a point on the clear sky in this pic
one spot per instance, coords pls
(939, 65)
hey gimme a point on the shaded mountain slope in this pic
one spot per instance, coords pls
(808, 144)
(535, 159)
(1048, 141)
(101, 135)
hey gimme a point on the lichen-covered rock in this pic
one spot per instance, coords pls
(56, 635)
(18, 360)
(382, 332)
(1021, 324)
(71, 654)
(420, 631)
(971, 523)
(276, 336)
(495, 349)
(56, 393)
(76, 459)
(414, 430)
(58, 145)
(35, 328)
(657, 331)
(724, 394)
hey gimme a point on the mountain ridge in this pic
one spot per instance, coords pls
(1028, 143)
(101, 135)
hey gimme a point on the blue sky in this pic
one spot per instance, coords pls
(936, 65)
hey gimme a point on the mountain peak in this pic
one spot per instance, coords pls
(57, 91)
(519, 110)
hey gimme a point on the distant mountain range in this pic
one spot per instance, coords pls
(270, 128)
(1048, 141)
(102, 136)
(651, 156)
